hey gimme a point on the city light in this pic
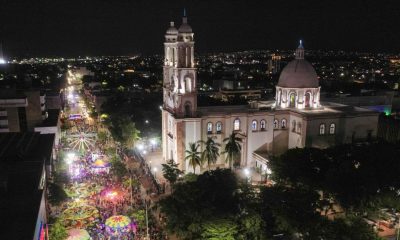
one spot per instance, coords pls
(246, 172)
(140, 147)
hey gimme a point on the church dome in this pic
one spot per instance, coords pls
(172, 29)
(298, 73)
(185, 28)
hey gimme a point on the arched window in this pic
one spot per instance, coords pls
(279, 97)
(188, 109)
(283, 124)
(294, 126)
(188, 84)
(254, 125)
(299, 127)
(276, 124)
(263, 125)
(332, 128)
(236, 124)
(307, 99)
(292, 100)
(218, 127)
(322, 129)
(209, 127)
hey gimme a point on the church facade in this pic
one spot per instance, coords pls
(296, 118)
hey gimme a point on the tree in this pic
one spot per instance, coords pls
(193, 203)
(58, 231)
(193, 156)
(351, 227)
(130, 134)
(290, 210)
(118, 168)
(171, 171)
(102, 136)
(123, 129)
(219, 229)
(140, 218)
(56, 194)
(232, 149)
(210, 153)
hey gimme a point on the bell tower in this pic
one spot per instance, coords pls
(179, 80)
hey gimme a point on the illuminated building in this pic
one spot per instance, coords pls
(296, 118)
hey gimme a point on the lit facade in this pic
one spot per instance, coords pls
(296, 119)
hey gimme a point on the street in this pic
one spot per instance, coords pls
(110, 190)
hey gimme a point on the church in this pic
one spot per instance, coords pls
(296, 119)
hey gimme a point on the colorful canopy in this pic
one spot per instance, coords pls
(99, 163)
(78, 234)
(118, 222)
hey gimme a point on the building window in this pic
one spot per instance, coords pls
(218, 127)
(294, 126)
(322, 129)
(276, 124)
(307, 99)
(283, 123)
(332, 128)
(254, 125)
(236, 124)
(188, 109)
(299, 127)
(209, 127)
(292, 100)
(263, 125)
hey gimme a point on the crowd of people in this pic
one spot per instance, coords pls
(114, 195)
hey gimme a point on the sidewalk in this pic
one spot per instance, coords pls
(146, 181)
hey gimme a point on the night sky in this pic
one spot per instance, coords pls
(125, 27)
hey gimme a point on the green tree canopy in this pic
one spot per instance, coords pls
(210, 153)
(219, 229)
(171, 171)
(56, 194)
(211, 195)
(232, 149)
(58, 231)
(193, 156)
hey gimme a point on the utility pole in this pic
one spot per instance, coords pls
(147, 223)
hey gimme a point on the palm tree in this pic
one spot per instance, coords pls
(193, 156)
(210, 153)
(232, 148)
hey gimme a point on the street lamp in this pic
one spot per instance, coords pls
(112, 196)
(155, 172)
(247, 173)
(153, 143)
(140, 147)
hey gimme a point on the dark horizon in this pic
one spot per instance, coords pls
(108, 28)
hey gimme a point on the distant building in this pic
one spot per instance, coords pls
(380, 102)
(296, 118)
(25, 110)
(25, 164)
(21, 110)
(274, 64)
